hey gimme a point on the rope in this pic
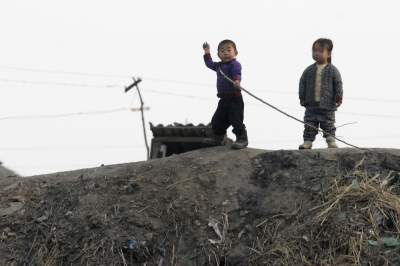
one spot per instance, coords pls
(290, 116)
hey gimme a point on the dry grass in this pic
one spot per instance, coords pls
(358, 207)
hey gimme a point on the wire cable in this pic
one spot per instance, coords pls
(46, 116)
(67, 84)
(74, 73)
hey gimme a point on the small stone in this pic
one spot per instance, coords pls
(68, 214)
(11, 234)
(13, 207)
(204, 179)
(12, 186)
(197, 222)
(241, 233)
(243, 213)
(316, 188)
(155, 224)
(237, 255)
(226, 202)
(248, 228)
(132, 244)
(132, 187)
(378, 218)
(19, 198)
(285, 175)
(149, 236)
(236, 224)
(42, 218)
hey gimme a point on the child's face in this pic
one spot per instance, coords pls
(320, 54)
(227, 52)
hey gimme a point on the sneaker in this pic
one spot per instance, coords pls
(307, 145)
(241, 141)
(331, 143)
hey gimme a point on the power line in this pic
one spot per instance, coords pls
(371, 115)
(259, 104)
(55, 83)
(73, 73)
(179, 95)
(192, 83)
(86, 85)
(45, 116)
(76, 73)
(68, 84)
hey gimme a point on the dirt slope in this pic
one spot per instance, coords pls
(4, 172)
(209, 207)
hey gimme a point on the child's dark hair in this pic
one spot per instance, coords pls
(325, 44)
(224, 42)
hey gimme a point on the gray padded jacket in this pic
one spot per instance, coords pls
(331, 87)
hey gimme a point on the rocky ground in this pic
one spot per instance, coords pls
(209, 207)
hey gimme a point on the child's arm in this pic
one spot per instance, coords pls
(302, 88)
(207, 57)
(338, 87)
(237, 73)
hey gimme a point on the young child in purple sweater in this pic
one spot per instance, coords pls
(230, 110)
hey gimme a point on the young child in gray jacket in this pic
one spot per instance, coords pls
(321, 93)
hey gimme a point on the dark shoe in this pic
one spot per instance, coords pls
(241, 141)
(217, 140)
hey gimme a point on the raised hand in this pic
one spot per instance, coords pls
(206, 48)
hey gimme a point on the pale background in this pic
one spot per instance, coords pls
(161, 41)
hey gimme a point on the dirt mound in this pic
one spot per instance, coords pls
(4, 172)
(210, 207)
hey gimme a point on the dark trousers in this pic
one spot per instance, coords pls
(230, 112)
(318, 118)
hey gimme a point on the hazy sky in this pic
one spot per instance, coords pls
(161, 41)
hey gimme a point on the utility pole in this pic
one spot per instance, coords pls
(136, 84)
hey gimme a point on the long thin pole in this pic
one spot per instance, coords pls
(136, 84)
